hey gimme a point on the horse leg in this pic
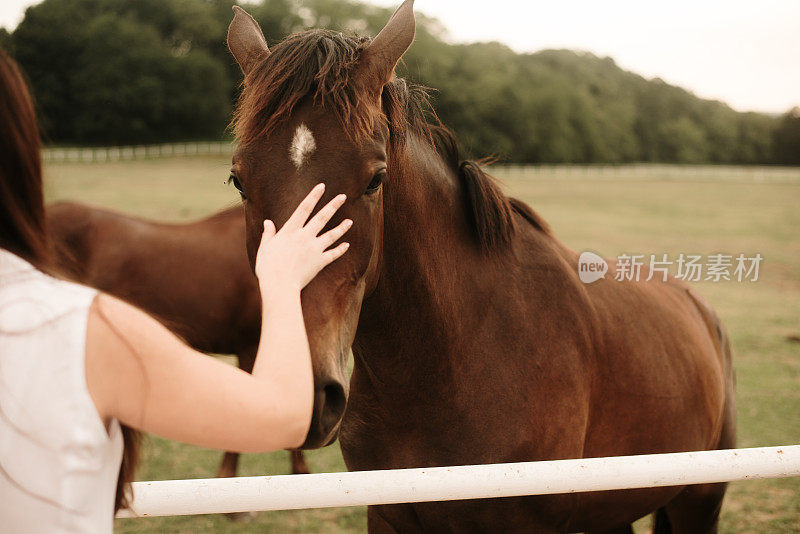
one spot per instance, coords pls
(230, 461)
(661, 523)
(299, 465)
(376, 524)
(696, 509)
(227, 468)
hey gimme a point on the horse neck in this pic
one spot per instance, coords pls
(429, 257)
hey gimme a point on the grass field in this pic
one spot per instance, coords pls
(604, 212)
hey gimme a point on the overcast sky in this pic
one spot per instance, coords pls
(744, 52)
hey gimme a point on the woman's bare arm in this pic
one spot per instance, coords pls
(140, 373)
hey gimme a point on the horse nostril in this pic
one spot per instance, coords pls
(334, 405)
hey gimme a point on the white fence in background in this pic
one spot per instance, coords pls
(630, 171)
(129, 153)
(325, 490)
(655, 171)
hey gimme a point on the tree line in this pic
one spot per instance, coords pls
(147, 71)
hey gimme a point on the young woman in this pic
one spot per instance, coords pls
(74, 363)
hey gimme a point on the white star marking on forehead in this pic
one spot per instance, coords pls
(303, 145)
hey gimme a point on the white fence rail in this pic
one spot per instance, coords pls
(324, 490)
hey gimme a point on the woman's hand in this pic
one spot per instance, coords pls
(292, 256)
(132, 360)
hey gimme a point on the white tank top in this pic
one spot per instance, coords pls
(58, 463)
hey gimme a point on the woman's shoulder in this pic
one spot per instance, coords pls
(30, 298)
(58, 447)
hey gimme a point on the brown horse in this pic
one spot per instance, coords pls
(194, 278)
(474, 339)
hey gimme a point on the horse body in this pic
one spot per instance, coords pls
(465, 358)
(194, 278)
(164, 268)
(474, 339)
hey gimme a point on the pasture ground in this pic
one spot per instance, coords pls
(602, 211)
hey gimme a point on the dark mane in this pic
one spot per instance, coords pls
(319, 64)
(315, 64)
(407, 108)
(527, 213)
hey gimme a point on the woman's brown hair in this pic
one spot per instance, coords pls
(22, 219)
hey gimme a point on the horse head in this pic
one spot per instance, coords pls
(311, 111)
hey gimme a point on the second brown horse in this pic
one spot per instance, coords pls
(194, 278)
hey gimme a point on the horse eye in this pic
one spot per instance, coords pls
(232, 179)
(376, 182)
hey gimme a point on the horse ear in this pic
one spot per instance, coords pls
(380, 58)
(245, 39)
